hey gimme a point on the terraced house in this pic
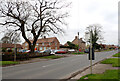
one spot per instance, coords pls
(44, 43)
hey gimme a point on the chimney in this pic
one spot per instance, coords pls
(80, 38)
(76, 37)
(44, 37)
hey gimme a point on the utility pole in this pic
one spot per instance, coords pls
(78, 42)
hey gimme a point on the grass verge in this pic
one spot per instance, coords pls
(8, 63)
(108, 74)
(51, 57)
(117, 55)
(78, 53)
(113, 61)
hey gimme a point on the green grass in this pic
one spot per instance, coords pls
(117, 55)
(107, 50)
(113, 61)
(51, 57)
(108, 74)
(79, 53)
(8, 63)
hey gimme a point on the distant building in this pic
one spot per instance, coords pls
(82, 44)
(9, 46)
(108, 46)
(44, 43)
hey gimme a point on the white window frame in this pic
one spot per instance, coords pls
(44, 48)
(41, 48)
(37, 44)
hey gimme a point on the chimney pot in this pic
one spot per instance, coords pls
(44, 37)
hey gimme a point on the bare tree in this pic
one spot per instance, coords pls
(96, 32)
(11, 37)
(40, 18)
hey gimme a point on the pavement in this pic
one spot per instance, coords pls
(61, 68)
(97, 68)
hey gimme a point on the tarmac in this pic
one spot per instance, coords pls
(98, 68)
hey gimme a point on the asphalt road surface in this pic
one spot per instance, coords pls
(52, 69)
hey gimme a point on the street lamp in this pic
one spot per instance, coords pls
(88, 35)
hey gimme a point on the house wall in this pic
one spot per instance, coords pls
(43, 46)
(82, 45)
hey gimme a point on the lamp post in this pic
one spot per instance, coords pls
(89, 35)
(91, 50)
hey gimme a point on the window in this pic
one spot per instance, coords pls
(56, 48)
(43, 44)
(55, 43)
(40, 48)
(26, 48)
(26, 44)
(37, 44)
(49, 47)
(44, 48)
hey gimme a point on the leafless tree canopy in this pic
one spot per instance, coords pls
(11, 37)
(38, 18)
(96, 31)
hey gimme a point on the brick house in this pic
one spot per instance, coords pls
(9, 46)
(108, 46)
(44, 43)
(82, 44)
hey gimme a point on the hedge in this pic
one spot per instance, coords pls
(9, 56)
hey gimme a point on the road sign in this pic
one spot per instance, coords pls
(93, 55)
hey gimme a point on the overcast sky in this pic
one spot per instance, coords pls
(86, 12)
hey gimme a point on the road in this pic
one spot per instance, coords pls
(52, 69)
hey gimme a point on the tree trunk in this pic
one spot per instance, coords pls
(32, 48)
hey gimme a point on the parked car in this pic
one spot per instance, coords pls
(22, 50)
(27, 51)
(60, 51)
(71, 50)
(36, 51)
(86, 51)
(48, 51)
(52, 52)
